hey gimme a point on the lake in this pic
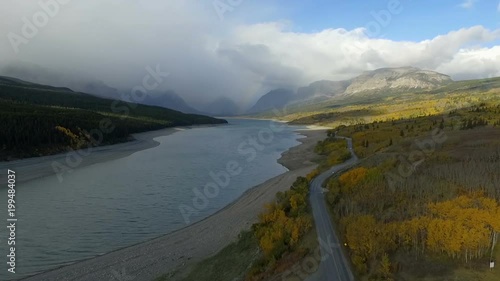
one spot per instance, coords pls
(192, 174)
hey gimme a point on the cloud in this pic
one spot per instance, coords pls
(341, 54)
(208, 58)
(467, 4)
(498, 7)
(484, 61)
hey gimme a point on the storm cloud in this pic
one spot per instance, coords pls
(210, 51)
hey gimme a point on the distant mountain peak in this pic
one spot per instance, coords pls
(400, 78)
(322, 89)
(222, 106)
(379, 81)
(169, 99)
(277, 98)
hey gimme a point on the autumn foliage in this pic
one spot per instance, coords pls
(282, 225)
(353, 177)
(445, 211)
(313, 174)
(335, 150)
(375, 220)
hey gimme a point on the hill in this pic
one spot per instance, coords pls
(222, 106)
(369, 87)
(274, 99)
(384, 94)
(169, 99)
(419, 184)
(352, 110)
(322, 89)
(38, 120)
(399, 79)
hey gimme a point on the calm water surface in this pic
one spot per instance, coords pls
(107, 206)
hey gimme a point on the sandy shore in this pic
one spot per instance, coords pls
(180, 249)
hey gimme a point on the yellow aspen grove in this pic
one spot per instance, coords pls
(284, 223)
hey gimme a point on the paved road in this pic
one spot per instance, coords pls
(334, 265)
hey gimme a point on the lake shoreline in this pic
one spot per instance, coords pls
(179, 249)
(28, 169)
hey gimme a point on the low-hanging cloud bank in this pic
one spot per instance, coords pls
(207, 57)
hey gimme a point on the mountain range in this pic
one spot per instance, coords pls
(380, 82)
(370, 84)
(33, 73)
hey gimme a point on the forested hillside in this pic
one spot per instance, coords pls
(391, 104)
(38, 120)
(424, 202)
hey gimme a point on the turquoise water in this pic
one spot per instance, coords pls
(107, 206)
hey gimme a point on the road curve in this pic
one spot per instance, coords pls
(334, 265)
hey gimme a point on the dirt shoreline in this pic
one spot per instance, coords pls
(178, 250)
